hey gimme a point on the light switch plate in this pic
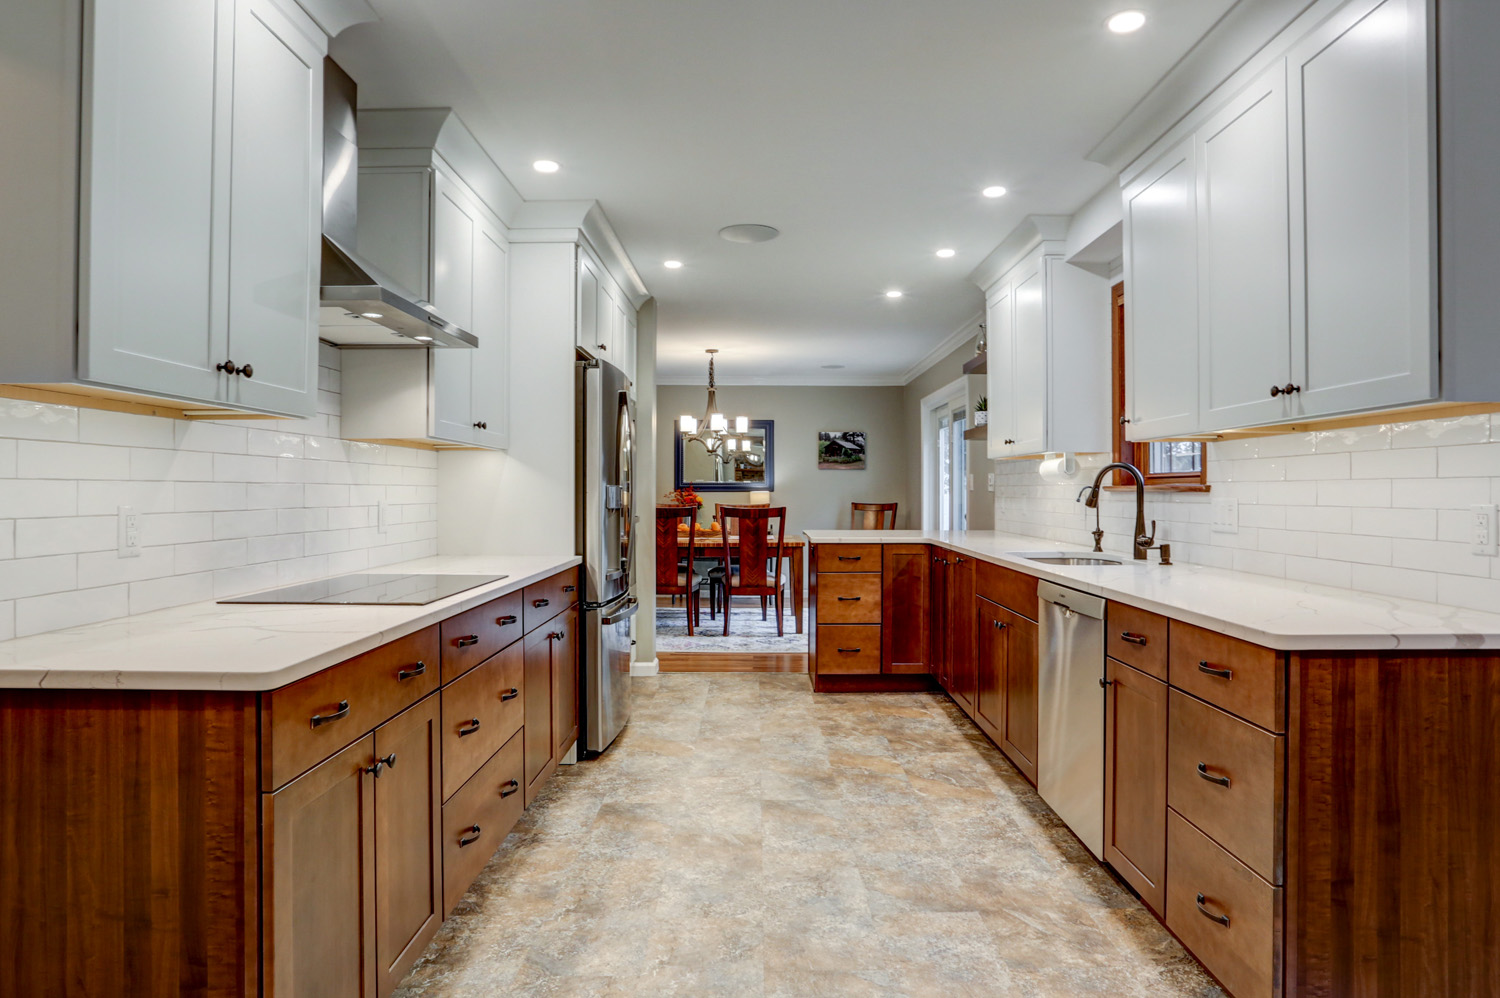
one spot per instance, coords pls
(129, 532)
(990, 479)
(1226, 516)
(1484, 528)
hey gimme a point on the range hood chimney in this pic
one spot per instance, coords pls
(360, 304)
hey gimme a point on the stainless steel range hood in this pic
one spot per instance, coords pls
(361, 306)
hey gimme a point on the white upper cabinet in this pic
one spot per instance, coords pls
(1360, 189)
(1244, 302)
(455, 234)
(275, 209)
(1161, 297)
(1047, 327)
(590, 317)
(490, 366)
(198, 160)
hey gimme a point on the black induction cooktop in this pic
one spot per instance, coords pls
(364, 589)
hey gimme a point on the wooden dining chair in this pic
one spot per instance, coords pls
(872, 516)
(715, 570)
(675, 571)
(753, 556)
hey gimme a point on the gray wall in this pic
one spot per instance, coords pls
(935, 378)
(814, 499)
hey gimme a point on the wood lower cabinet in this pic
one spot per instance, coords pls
(539, 746)
(565, 684)
(940, 648)
(318, 872)
(905, 612)
(1022, 706)
(963, 671)
(1135, 781)
(408, 844)
(869, 627)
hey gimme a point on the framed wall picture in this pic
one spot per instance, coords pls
(841, 450)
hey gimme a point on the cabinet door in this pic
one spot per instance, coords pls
(1028, 381)
(564, 682)
(149, 285)
(604, 334)
(539, 744)
(628, 347)
(275, 207)
(455, 232)
(318, 871)
(991, 645)
(999, 333)
(1243, 258)
(939, 648)
(490, 366)
(1022, 720)
(1161, 298)
(962, 633)
(588, 305)
(904, 608)
(1135, 781)
(408, 840)
(1364, 334)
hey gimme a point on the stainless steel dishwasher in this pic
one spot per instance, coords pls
(1070, 750)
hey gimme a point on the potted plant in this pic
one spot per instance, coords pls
(982, 411)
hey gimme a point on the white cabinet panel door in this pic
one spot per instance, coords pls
(455, 228)
(629, 347)
(1029, 378)
(604, 334)
(275, 215)
(148, 318)
(1360, 182)
(491, 363)
(589, 317)
(1161, 298)
(1243, 258)
(999, 326)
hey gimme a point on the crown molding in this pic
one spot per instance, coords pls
(950, 343)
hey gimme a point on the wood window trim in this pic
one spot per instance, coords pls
(1123, 449)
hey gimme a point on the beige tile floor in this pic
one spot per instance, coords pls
(747, 837)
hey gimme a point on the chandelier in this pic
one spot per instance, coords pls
(712, 432)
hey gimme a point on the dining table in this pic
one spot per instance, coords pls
(792, 548)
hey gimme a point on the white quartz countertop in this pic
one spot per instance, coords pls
(1276, 613)
(219, 646)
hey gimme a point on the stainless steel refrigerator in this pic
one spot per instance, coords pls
(606, 434)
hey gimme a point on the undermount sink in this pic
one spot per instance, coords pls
(1066, 558)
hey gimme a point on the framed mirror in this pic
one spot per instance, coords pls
(743, 462)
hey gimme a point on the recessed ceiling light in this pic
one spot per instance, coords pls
(944, 254)
(749, 233)
(545, 166)
(994, 192)
(673, 264)
(1126, 21)
(372, 315)
(833, 367)
(893, 293)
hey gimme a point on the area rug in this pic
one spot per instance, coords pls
(747, 632)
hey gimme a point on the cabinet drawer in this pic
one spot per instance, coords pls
(1244, 952)
(308, 721)
(849, 599)
(548, 598)
(1137, 638)
(478, 817)
(848, 558)
(1225, 776)
(480, 713)
(474, 635)
(1244, 679)
(849, 648)
(1016, 591)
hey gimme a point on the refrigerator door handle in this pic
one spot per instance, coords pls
(632, 606)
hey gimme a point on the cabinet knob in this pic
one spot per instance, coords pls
(481, 425)
(228, 367)
(999, 625)
(556, 636)
(247, 371)
(1105, 683)
(1286, 389)
(1124, 420)
(388, 762)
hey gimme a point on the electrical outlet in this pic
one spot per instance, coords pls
(1484, 529)
(1226, 516)
(382, 517)
(971, 483)
(129, 532)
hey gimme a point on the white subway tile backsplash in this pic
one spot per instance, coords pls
(1411, 462)
(1316, 467)
(1470, 461)
(223, 506)
(1444, 557)
(1361, 548)
(1441, 432)
(1420, 524)
(1447, 493)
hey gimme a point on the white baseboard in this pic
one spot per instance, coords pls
(650, 668)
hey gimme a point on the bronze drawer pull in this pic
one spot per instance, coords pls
(1134, 639)
(1222, 781)
(510, 694)
(318, 720)
(539, 603)
(1221, 673)
(509, 618)
(849, 599)
(513, 785)
(467, 640)
(857, 557)
(1221, 919)
(570, 589)
(413, 672)
(849, 651)
(472, 727)
(473, 837)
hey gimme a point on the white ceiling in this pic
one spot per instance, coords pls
(863, 129)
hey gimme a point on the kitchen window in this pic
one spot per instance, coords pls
(1181, 465)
